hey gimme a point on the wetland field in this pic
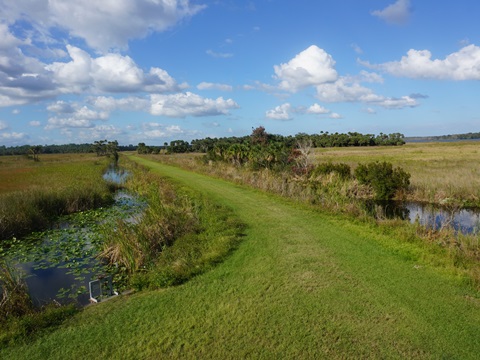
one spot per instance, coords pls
(306, 274)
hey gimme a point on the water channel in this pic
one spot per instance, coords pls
(465, 221)
(59, 263)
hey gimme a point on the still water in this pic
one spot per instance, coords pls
(59, 263)
(465, 221)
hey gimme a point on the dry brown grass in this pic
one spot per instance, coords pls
(447, 173)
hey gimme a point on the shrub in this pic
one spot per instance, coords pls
(383, 178)
(343, 170)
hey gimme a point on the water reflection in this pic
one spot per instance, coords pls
(116, 174)
(466, 221)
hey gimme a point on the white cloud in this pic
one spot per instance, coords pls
(25, 80)
(356, 48)
(418, 64)
(280, 112)
(158, 131)
(35, 123)
(72, 122)
(15, 111)
(73, 115)
(13, 136)
(214, 86)
(129, 103)
(335, 116)
(103, 24)
(397, 13)
(108, 73)
(312, 66)
(317, 109)
(188, 104)
(219, 55)
(3, 125)
(348, 89)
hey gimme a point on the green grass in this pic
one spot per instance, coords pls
(32, 194)
(302, 284)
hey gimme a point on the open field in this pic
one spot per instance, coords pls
(32, 193)
(440, 171)
(302, 284)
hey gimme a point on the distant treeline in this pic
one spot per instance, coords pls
(57, 149)
(324, 139)
(467, 136)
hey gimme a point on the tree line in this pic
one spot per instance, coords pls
(56, 149)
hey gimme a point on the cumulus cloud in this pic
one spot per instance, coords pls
(347, 89)
(102, 24)
(13, 137)
(35, 123)
(281, 112)
(313, 66)
(397, 13)
(3, 125)
(110, 104)
(418, 64)
(188, 104)
(317, 109)
(335, 116)
(284, 111)
(108, 73)
(22, 78)
(154, 130)
(73, 115)
(25, 80)
(214, 86)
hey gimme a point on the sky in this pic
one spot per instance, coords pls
(154, 71)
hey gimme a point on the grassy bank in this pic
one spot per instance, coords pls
(179, 235)
(302, 284)
(32, 194)
(335, 194)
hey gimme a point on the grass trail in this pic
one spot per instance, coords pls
(301, 285)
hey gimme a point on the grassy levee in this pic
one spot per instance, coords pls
(302, 284)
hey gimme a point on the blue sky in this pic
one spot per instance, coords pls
(158, 70)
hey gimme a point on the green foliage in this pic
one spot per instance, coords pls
(342, 169)
(383, 178)
(179, 235)
(27, 327)
(14, 298)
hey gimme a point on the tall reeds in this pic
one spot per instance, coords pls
(169, 215)
(15, 300)
(180, 234)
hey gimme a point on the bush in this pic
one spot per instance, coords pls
(383, 178)
(343, 170)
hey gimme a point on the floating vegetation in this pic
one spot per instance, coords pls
(59, 262)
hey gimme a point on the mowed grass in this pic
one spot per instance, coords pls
(302, 284)
(440, 171)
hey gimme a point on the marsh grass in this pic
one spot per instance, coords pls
(180, 234)
(32, 194)
(442, 173)
(15, 300)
